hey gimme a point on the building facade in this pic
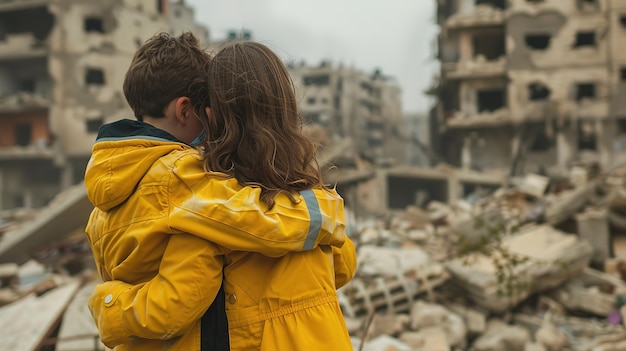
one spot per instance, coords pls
(62, 65)
(530, 85)
(365, 109)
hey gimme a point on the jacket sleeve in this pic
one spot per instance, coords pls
(232, 216)
(189, 278)
(344, 259)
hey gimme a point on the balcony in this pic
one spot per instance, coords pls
(31, 152)
(482, 16)
(477, 68)
(485, 119)
(12, 5)
(21, 46)
(23, 102)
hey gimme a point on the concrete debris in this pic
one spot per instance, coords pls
(381, 343)
(552, 258)
(551, 337)
(534, 185)
(429, 338)
(425, 315)
(501, 336)
(389, 324)
(390, 280)
(593, 226)
(26, 323)
(592, 291)
(532, 265)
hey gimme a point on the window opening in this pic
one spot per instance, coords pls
(93, 24)
(94, 76)
(588, 5)
(317, 80)
(586, 136)
(621, 125)
(491, 100)
(495, 3)
(491, 46)
(542, 142)
(538, 92)
(337, 101)
(23, 134)
(93, 125)
(585, 91)
(538, 41)
(585, 39)
(27, 85)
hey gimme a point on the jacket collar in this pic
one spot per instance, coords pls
(127, 129)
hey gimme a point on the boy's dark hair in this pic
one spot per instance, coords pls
(164, 68)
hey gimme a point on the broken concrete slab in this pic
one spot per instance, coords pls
(551, 337)
(25, 324)
(552, 257)
(475, 320)
(500, 336)
(563, 205)
(433, 339)
(381, 343)
(534, 185)
(388, 324)
(428, 315)
(591, 291)
(584, 334)
(77, 331)
(68, 211)
(593, 226)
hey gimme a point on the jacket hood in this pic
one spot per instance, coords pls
(124, 151)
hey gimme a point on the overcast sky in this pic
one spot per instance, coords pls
(396, 36)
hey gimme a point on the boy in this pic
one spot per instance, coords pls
(160, 217)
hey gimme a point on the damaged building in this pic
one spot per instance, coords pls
(62, 64)
(530, 85)
(364, 109)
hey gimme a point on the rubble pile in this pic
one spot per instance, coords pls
(538, 264)
(35, 305)
(529, 267)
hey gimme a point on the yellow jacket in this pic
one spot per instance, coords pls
(163, 229)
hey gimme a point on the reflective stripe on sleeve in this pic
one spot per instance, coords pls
(316, 219)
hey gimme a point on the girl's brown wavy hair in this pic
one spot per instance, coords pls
(255, 131)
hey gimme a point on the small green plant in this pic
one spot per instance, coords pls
(490, 243)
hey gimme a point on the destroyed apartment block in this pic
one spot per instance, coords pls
(514, 68)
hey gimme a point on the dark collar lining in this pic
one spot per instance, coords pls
(126, 128)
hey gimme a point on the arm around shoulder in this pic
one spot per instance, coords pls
(234, 217)
(189, 278)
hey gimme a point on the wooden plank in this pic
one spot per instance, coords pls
(24, 324)
(78, 331)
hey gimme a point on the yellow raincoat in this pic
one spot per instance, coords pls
(163, 230)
